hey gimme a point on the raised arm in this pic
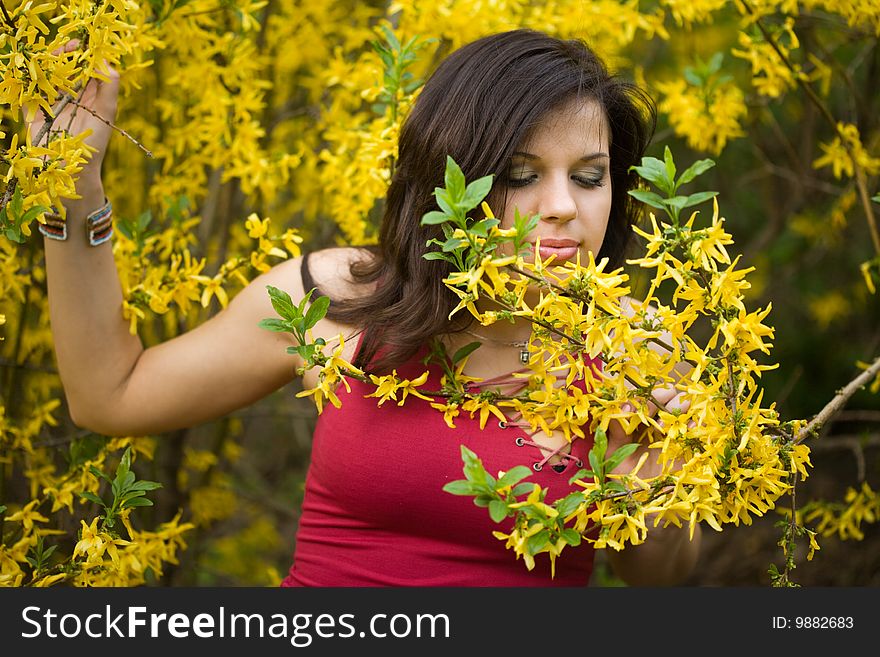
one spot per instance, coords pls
(112, 384)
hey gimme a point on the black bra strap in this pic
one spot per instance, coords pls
(307, 281)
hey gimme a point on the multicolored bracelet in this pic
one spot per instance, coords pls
(99, 225)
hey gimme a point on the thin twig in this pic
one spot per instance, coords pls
(837, 403)
(115, 127)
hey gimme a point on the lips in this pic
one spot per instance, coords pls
(561, 248)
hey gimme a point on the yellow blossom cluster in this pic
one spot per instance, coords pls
(845, 152)
(844, 519)
(771, 75)
(707, 119)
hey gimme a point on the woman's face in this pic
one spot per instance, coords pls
(562, 172)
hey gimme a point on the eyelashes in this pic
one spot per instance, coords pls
(590, 182)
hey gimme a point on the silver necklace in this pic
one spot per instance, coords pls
(522, 345)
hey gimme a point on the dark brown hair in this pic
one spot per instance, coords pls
(477, 107)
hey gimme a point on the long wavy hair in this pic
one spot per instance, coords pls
(478, 107)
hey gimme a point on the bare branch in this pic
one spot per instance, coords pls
(115, 127)
(837, 403)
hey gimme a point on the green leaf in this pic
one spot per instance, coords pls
(32, 213)
(454, 180)
(696, 199)
(146, 485)
(676, 202)
(596, 464)
(460, 487)
(692, 77)
(514, 476)
(98, 473)
(467, 455)
(282, 303)
(127, 481)
(600, 443)
(522, 489)
(481, 228)
(615, 487)
(537, 542)
(306, 300)
(497, 510)
(316, 311)
(569, 503)
(654, 171)
(581, 474)
(453, 244)
(434, 217)
(273, 324)
(876, 199)
(648, 198)
(571, 537)
(144, 220)
(445, 202)
(15, 204)
(620, 454)
(2, 508)
(476, 192)
(483, 499)
(138, 501)
(465, 351)
(91, 497)
(390, 37)
(697, 168)
(437, 255)
(669, 164)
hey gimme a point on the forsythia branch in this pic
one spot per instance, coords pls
(839, 400)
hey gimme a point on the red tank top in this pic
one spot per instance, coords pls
(374, 512)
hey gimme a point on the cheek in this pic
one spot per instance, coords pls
(597, 214)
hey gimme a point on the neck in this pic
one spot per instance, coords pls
(504, 331)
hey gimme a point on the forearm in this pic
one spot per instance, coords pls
(93, 347)
(666, 558)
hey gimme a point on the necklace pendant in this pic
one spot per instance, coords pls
(524, 356)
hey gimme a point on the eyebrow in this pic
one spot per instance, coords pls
(586, 158)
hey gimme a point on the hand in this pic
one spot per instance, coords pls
(671, 400)
(97, 98)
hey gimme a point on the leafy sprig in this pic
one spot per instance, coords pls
(662, 174)
(127, 491)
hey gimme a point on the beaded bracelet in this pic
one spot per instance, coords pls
(99, 225)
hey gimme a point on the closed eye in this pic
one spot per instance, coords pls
(589, 182)
(521, 182)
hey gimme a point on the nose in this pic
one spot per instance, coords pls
(557, 202)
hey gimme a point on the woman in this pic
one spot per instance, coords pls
(559, 134)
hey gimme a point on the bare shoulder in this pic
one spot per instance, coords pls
(330, 270)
